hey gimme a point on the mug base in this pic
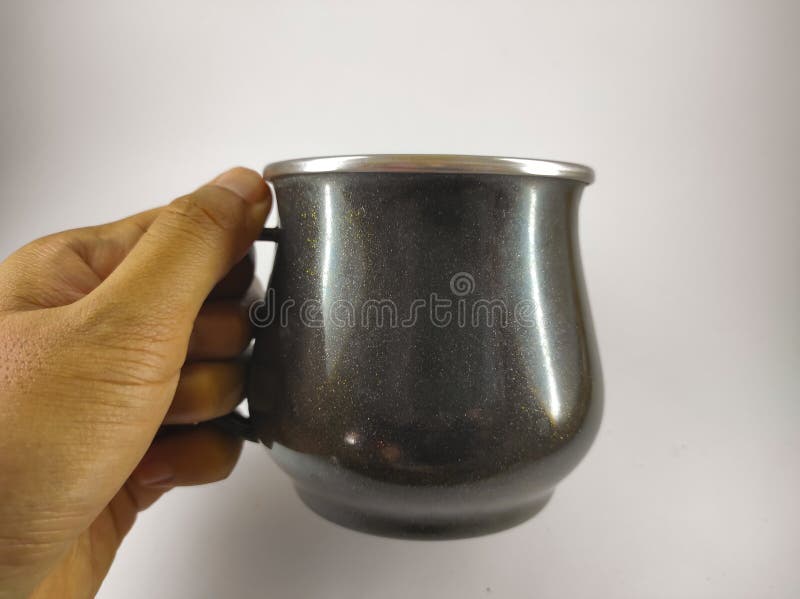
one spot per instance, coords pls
(456, 528)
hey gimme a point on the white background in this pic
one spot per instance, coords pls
(688, 110)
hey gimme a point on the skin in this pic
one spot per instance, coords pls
(107, 334)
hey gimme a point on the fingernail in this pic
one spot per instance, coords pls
(154, 473)
(245, 183)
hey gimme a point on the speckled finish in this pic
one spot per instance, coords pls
(428, 429)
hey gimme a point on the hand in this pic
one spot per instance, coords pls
(106, 334)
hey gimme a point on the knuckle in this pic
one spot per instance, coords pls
(42, 252)
(22, 550)
(205, 209)
(196, 381)
(29, 271)
(228, 456)
(118, 318)
(226, 469)
(46, 245)
(132, 346)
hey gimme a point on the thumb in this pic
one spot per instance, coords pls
(188, 248)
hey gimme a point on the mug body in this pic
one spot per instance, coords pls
(425, 364)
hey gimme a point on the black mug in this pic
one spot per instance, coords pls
(424, 362)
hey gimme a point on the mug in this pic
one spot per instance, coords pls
(424, 363)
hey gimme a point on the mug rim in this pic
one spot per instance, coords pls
(430, 163)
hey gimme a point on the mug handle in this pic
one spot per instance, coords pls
(235, 423)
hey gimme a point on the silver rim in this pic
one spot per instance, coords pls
(430, 163)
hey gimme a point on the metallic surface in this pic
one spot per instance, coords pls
(415, 426)
(430, 163)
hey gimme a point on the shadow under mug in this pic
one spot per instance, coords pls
(424, 363)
